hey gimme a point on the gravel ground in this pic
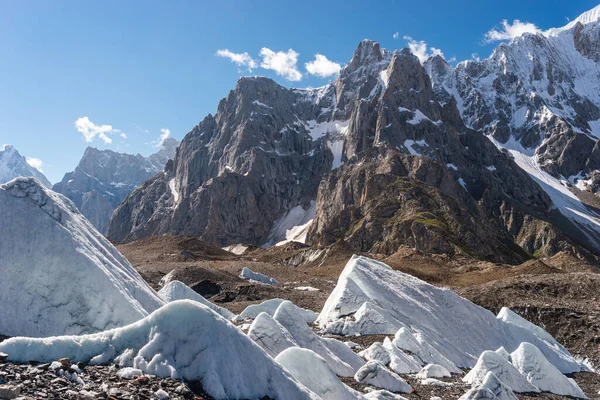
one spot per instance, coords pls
(42, 381)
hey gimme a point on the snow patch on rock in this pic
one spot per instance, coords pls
(237, 249)
(293, 226)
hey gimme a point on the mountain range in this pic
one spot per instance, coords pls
(104, 178)
(496, 159)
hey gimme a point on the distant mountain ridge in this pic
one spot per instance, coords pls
(14, 165)
(504, 148)
(104, 178)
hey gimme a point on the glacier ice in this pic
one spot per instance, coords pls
(430, 321)
(58, 273)
(176, 290)
(183, 339)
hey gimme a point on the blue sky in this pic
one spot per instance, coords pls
(143, 66)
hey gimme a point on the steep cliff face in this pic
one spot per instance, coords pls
(104, 178)
(262, 154)
(410, 163)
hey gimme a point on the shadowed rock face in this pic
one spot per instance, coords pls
(414, 173)
(104, 178)
(237, 172)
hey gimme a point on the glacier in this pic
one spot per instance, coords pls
(58, 273)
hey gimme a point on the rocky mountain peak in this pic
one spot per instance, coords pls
(367, 52)
(359, 77)
(406, 73)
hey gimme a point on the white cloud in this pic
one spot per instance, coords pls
(396, 35)
(322, 66)
(283, 63)
(241, 59)
(161, 139)
(90, 130)
(35, 163)
(420, 49)
(124, 136)
(509, 31)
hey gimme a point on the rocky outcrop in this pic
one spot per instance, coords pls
(104, 178)
(394, 200)
(14, 165)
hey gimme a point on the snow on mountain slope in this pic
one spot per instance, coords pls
(437, 317)
(273, 146)
(59, 275)
(293, 226)
(562, 197)
(229, 365)
(538, 96)
(587, 17)
(14, 165)
(176, 290)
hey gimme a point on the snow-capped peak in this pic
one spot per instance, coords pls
(14, 165)
(586, 18)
